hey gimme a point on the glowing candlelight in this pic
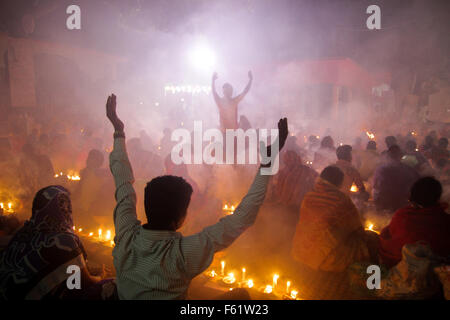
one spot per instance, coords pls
(288, 286)
(222, 263)
(100, 233)
(73, 228)
(250, 283)
(275, 280)
(212, 274)
(294, 294)
(91, 234)
(370, 135)
(108, 234)
(81, 229)
(243, 274)
(268, 289)
(9, 205)
(1, 205)
(370, 227)
(354, 188)
(229, 279)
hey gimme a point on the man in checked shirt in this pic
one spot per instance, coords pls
(154, 261)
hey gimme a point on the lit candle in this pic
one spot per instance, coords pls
(108, 234)
(275, 280)
(1, 205)
(294, 294)
(9, 205)
(81, 229)
(268, 289)
(288, 286)
(250, 283)
(100, 233)
(222, 263)
(91, 234)
(243, 274)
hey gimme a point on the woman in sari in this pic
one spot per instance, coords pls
(35, 264)
(329, 238)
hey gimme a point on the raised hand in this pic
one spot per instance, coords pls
(282, 136)
(112, 114)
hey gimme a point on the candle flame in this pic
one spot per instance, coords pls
(229, 279)
(268, 289)
(250, 283)
(354, 188)
(370, 135)
(294, 294)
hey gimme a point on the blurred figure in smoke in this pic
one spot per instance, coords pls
(285, 195)
(326, 154)
(146, 164)
(35, 169)
(166, 143)
(228, 105)
(389, 141)
(146, 141)
(392, 182)
(413, 157)
(440, 151)
(351, 174)
(95, 184)
(427, 146)
(244, 124)
(369, 160)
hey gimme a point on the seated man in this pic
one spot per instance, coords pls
(369, 160)
(153, 261)
(329, 237)
(424, 220)
(392, 182)
(351, 174)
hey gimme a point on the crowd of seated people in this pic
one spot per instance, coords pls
(155, 261)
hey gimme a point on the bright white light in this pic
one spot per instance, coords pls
(202, 58)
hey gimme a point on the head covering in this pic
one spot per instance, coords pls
(33, 264)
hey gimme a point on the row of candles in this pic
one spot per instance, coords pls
(71, 176)
(104, 237)
(275, 287)
(8, 208)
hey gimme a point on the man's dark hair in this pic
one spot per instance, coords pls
(344, 152)
(371, 145)
(166, 200)
(327, 142)
(333, 175)
(426, 192)
(443, 143)
(395, 153)
(390, 141)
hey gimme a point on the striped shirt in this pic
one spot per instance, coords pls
(155, 264)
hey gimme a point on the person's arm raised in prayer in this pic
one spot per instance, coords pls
(198, 249)
(125, 218)
(241, 96)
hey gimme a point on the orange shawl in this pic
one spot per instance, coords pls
(329, 234)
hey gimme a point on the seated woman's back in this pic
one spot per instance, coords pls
(34, 264)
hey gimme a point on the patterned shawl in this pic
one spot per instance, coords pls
(36, 259)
